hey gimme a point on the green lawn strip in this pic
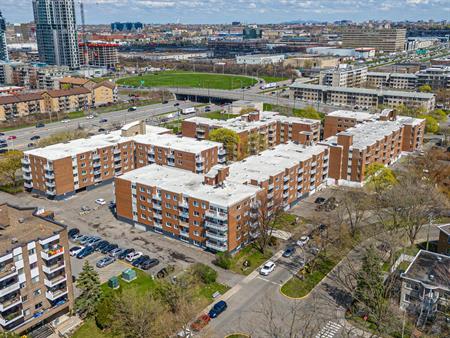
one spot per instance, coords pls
(206, 291)
(218, 115)
(189, 79)
(411, 251)
(238, 335)
(269, 79)
(75, 115)
(296, 287)
(90, 329)
(251, 254)
(285, 221)
(141, 284)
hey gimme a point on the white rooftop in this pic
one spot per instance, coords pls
(186, 144)
(359, 116)
(271, 162)
(191, 185)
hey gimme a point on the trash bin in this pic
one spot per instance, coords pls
(113, 282)
(129, 275)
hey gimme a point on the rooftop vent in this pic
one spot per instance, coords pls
(14, 240)
(431, 277)
(21, 220)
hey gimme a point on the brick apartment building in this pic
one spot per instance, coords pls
(382, 141)
(214, 210)
(361, 97)
(104, 92)
(99, 54)
(186, 206)
(257, 131)
(63, 169)
(35, 272)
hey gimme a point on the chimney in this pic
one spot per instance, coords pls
(217, 176)
(253, 116)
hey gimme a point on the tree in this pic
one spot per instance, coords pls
(426, 88)
(353, 206)
(10, 163)
(104, 313)
(229, 138)
(89, 284)
(139, 316)
(431, 125)
(223, 260)
(264, 216)
(379, 177)
(204, 272)
(308, 112)
(439, 115)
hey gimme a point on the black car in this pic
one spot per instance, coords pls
(31, 144)
(101, 130)
(124, 253)
(3, 141)
(165, 102)
(137, 262)
(319, 200)
(290, 250)
(85, 252)
(35, 137)
(3, 145)
(101, 245)
(150, 263)
(109, 248)
(73, 232)
(2, 151)
(322, 227)
(2, 134)
(176, 104)
(40, 125)
(103, 120)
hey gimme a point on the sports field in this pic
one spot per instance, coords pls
(186, 79)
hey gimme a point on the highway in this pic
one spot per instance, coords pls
(121, 116)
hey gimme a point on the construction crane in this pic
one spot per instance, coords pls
(83, 30)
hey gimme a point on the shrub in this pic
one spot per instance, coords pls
(223, 259)
(207, 274)
(104, 313)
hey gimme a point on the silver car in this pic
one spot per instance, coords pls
(105, 261)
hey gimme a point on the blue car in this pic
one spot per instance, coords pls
(85, 252)
(217, 309)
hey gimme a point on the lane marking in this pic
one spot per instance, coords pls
(268, 280)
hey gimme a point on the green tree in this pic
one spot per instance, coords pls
(379, 177)
(439, 114)
(205, 273)
(426, 88)
(105, 312)
(10, 163)
(89, 284)
(431, 125)
(308, 112)
(223, 260)
(229, 138)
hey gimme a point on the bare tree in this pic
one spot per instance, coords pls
(353, 207)
(263, 215)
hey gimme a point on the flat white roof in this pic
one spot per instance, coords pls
(271, 162)
(358, 115)
(191, 185)
(186, 144)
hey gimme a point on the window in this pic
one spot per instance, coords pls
(31, 251)
(143, 216)
(26, 312)
(203, 205)
(142, 198)
(196, 213)
(18, 258)
(20, 271)
(38, 305)
(35, 280)
(142, 189)
(37, 292)
(24, 298)
(168, 196)
(168, 205)
(33, 265)
(195, 233)
(196, 223)
(175, 198)
(168, 224)
(195, 203)
(143, 207)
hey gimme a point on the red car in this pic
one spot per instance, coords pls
(200, 322)
(12, 137)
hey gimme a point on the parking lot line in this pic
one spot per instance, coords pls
(267, 280)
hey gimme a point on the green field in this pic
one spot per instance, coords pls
(269, 79)
(186, 79)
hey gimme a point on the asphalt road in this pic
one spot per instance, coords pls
(121, 116)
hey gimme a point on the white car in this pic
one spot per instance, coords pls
(75, 250)
(90, 117)
(303, 240)
(133, 255)
(267, 268)
(65, 121)
(100, 201)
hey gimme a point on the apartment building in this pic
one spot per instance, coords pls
(361, 97)
(187, 206)
(257, 131)
(387, 40)
(3, 48)
(443, 245)
(344, 75)
(436, 77)
(104, 92)
(63, 169)
(35, 272)
(382, 141)
(341, 120)
(99, 53)
(19, 105)
(392, 80)
(425, 287)
(73, 99)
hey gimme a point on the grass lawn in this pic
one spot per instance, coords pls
(141, 284)
(285, 221)
(237, 335)
(269, 79)
(296, 287)
(75, 114)
(189, 79)
(206, 291)
(253, 255)
(90, 329)
(175, 125)
(411, 251)
(218, 115)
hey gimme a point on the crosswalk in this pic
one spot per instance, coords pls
(329, 330)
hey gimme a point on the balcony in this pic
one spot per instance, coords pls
(184, 204)
(156, 215)
(222, 152)
(9, 303)
(53, 252)
(54, 267)
(286, 194)
(50, 184)
(27, 175)
(97, 164)
(156, 197)
(7, 320)
(97, 172)
(10, 288)
(50, 192)
(49, 176)
(26, 168)
(171, 156)
(217, 215)
(215, 246)
(117, 165)
(48, 167)
(116, 151)
(28, 185)
(53, 295)
(220, 227)
(25, 161)
(184, 214)
(51, 282)
(95, 157)
(157, 206)
(184, 224)
(217, 236)
(286, 187)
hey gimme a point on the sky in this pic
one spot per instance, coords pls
(246, 11)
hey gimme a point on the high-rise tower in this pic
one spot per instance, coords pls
(3, 49)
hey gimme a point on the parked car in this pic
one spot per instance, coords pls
(85, 208)
(93, 241)
(133, 255)
(200, 322)
(314, 250)
(109, 248)
(267, 268)
(65, 121)
(103, 120)
(83, 239)
(289, 251)
(217, 309)
(319, 200)
(2, 140)
(176, 104)
(101, 130)
(76, 238)
(35, 137)
(3, 145)
(12, 137)
(132, 109)
(138, 262)
(105, 261)
(72, 232)
(31, 144)
(75, 250)
(85, 252)
(303, 241)
(40, 125)
(165, 102)
(89, 117)
(116, 252)
(100, 201)
(101, 245)
(149, 263)
(124, 253)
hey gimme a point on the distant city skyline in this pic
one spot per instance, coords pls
(252, 11)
